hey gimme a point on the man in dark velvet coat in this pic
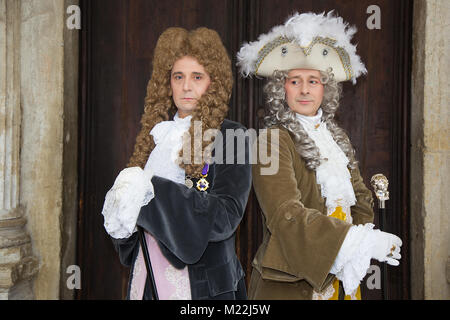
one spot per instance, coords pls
(198, 228)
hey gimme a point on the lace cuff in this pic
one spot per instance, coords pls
(353, 259)
(131, 190)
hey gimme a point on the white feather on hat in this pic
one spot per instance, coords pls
(309, 41)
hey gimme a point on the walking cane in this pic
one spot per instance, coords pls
(380, 186)
(148, 265)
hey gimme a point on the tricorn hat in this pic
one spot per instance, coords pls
(305, 41)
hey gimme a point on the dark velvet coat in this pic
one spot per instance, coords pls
(197, 228)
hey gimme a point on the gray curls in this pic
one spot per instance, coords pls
(280, 114)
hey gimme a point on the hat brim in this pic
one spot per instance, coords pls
(283, 55)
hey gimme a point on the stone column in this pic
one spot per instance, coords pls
(17, 264)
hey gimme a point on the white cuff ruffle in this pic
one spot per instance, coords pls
(353, 259)
(131, 190)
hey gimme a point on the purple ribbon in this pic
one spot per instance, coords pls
(205, 169)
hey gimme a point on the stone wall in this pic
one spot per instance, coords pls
(42, 52)
(430, 156)
(18, 265)
(39, 76)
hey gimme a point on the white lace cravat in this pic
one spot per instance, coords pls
(332, 174)
(168, 137)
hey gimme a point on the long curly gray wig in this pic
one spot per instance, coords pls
(280, 114)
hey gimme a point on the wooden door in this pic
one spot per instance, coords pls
(118, 38)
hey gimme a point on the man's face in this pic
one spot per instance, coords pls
(188, 81)
(304, 91)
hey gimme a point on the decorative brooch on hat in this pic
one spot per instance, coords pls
(305, 41)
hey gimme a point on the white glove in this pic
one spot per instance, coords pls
(362, 243)
(386, 247)
(131, 190)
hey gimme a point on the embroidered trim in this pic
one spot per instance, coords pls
(134, 292)
(180, 282)
(264, 51)
(343, 55)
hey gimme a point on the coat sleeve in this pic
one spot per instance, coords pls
(362, 211)
(125, 248)
(185, 220)
(303, 242)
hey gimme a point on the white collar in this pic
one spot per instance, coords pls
(310, 122)
(182, 121)
(172, 128)
(177, 118)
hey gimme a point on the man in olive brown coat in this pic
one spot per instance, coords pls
(318, 233)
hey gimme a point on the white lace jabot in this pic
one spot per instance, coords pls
(332, 174)
(168, 139)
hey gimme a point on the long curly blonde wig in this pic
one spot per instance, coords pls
(280, 114)
(206, 47)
